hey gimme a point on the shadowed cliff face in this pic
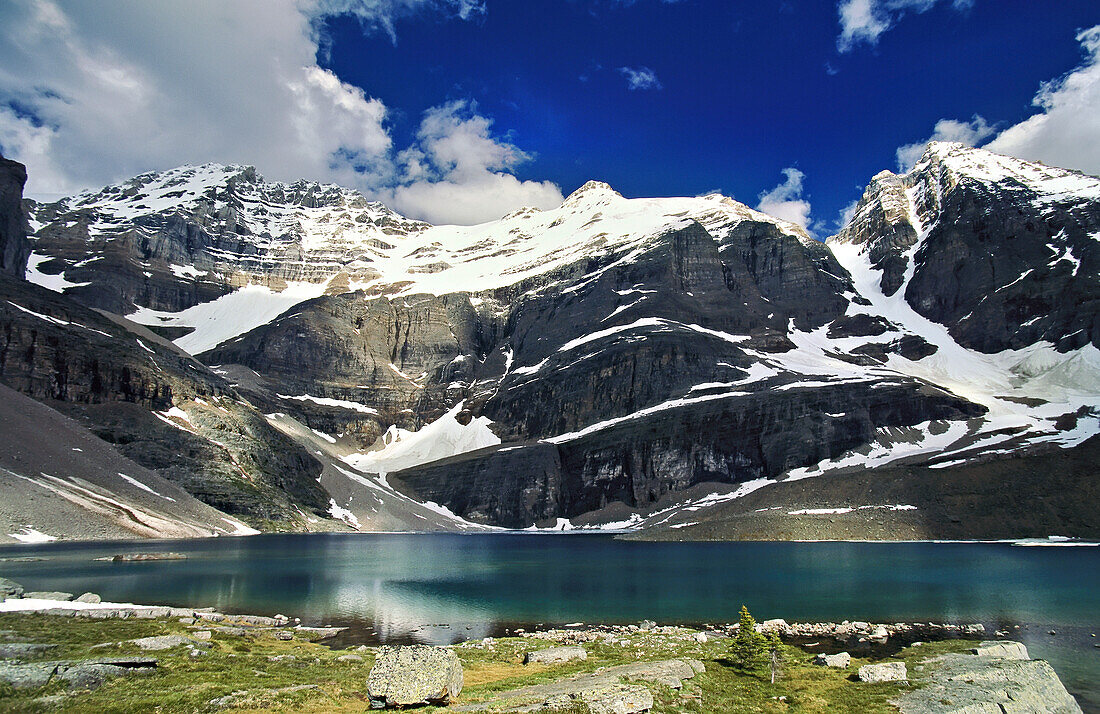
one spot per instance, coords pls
(14, 247)
(1001, 251)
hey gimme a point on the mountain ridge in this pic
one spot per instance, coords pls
(624, 350)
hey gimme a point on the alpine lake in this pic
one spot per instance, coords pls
(447, 588)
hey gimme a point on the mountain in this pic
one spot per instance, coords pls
(641, 361)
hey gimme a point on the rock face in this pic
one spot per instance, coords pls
(989, 682)
(414, 675)
(14, 246)
(1001, 251)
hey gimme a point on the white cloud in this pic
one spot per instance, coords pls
(92, 93)
(785, 201)
(867, 20)
(457, 171)
(640, 78)
(1067, 130)
(971, 133)
(383, 14)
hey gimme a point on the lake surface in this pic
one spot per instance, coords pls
(447, 588)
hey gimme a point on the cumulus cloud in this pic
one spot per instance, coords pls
(1066, 132)
(866, 20)
(785, 201)
(458, 172)
(971, 133)
(92, 93)
(640, 78)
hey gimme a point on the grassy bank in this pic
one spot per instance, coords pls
(257, 672)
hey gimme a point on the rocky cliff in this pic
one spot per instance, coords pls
(628, 353)
(14, 247)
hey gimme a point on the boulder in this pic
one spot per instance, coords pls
(412, 675)
(10, 588)
(48, 595)
(1004, 650)
(555, 655)
(840, 661)
(90, 598)
(884, 672)
(164, 642)
(349, 658)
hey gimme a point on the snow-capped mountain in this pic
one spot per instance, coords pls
(628, 354)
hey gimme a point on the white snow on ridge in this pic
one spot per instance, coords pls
(443, 438)
(57, 283)
(230, 315)
(326, 401)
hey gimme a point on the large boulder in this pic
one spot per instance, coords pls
(884, 672)
(1004, 650)
(412, 675)
(840, 661)
(555, 655)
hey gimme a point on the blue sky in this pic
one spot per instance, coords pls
(478, 105)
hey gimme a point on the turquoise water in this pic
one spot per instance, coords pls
(446, 588)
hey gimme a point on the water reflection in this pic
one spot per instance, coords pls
(400, 584)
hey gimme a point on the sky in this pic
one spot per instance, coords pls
(459, 111)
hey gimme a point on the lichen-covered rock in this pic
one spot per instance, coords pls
(555, 655)
(89, 598)
(48, 595)
(883, 672)
(1003, 650)
(994, 684)
(841, 660)
(413, 675)
(10, 588)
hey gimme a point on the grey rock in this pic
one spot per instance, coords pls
(977, 685)
(201, 635)
(555, 655)
(231, 631)
(19, 650)
(1003, 650)
(349, 658)
(883, 672)
(27, 676)
(10, 588)
(319, 633)
(284, 635)
(48, 595)
(606, 690)
(90, 598)
(162, 642)
(414, 675)
(841, 660)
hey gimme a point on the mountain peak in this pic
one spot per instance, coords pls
(592, 191)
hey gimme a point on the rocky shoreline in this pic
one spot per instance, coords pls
(595, 667)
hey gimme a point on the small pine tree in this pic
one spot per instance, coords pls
(750, 648)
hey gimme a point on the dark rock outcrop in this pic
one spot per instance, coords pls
(14, 246)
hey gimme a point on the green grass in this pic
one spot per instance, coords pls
(232, 664)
